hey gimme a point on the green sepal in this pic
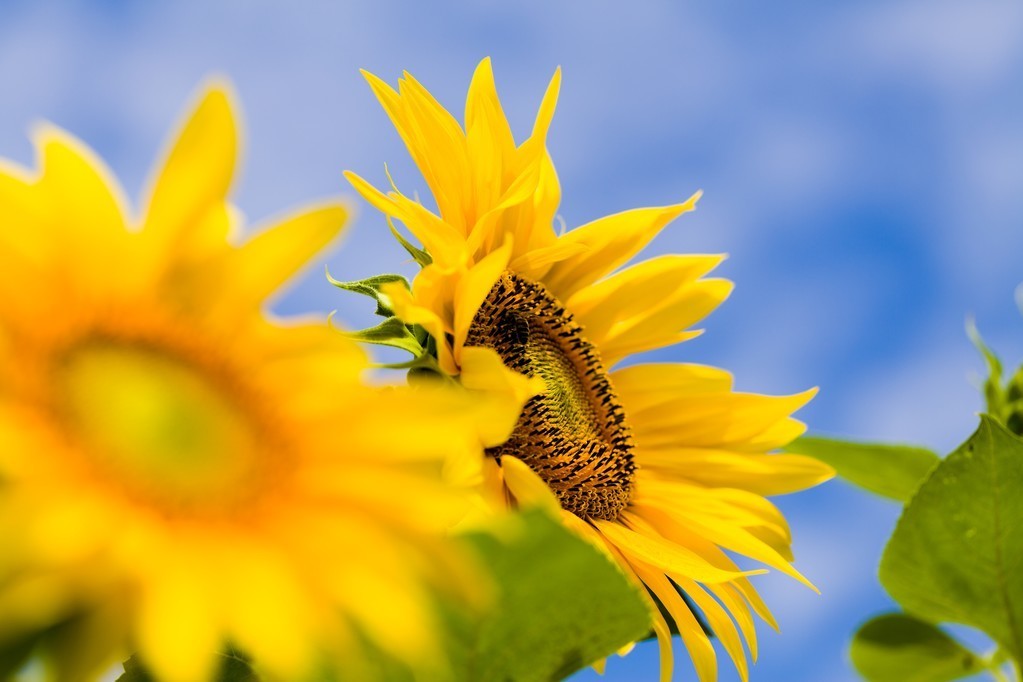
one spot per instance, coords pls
(391, 332)
(956, 555)
(233, 667)
(371, 286)
(897, 647)
(418, 255)
(893, 471)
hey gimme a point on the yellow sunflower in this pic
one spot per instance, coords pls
(180, 473)
(662, 465)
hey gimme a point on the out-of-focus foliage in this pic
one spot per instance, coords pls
(896, 647)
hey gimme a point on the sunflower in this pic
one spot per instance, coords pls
(663, 466)
(180, 474)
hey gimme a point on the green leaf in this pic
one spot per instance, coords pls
(894, 471)
(957, 552)
(897, 647)
(371, 287)
(391, 332)
(234, 667)
(563, 605)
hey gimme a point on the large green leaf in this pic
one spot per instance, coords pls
(957, 551)
(563, 605)
(894, 471)
(897, 647)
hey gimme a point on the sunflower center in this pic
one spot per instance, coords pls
(165, 427)
(574, 434)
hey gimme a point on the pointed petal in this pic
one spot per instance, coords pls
(715, 421)
(527, 487)
(657, 551)
(719, 621)
(610, 242)
(641, 386)
(473, 288)
(763, 474)
(697, 643)
(637, 291)
(660, 325)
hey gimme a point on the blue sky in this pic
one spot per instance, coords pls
(862, 164)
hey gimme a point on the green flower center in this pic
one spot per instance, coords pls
(165, 428)
(574, 434)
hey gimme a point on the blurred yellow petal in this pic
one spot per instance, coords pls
(196, 173)
(275, 255)
(176, 636)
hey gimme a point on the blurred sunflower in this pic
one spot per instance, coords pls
(664, 466)
(180, 473)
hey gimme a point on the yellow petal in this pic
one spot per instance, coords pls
(276, 254)
(88, 215)
(636, 291)
(472, 290)
(442, 241)
(697, 643)
(763, 474)
(176, 635)
(485, 373)
(657, 551)
(641, 386)
(490, 142)
(196, 173)
(28, 243)
(661, 324)
(610, 242)
(534, 263)
(408, 310)
(727, 535)
(256, 621)
(716, 421)
(719, 621)
(527, 487)
(732, 600)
